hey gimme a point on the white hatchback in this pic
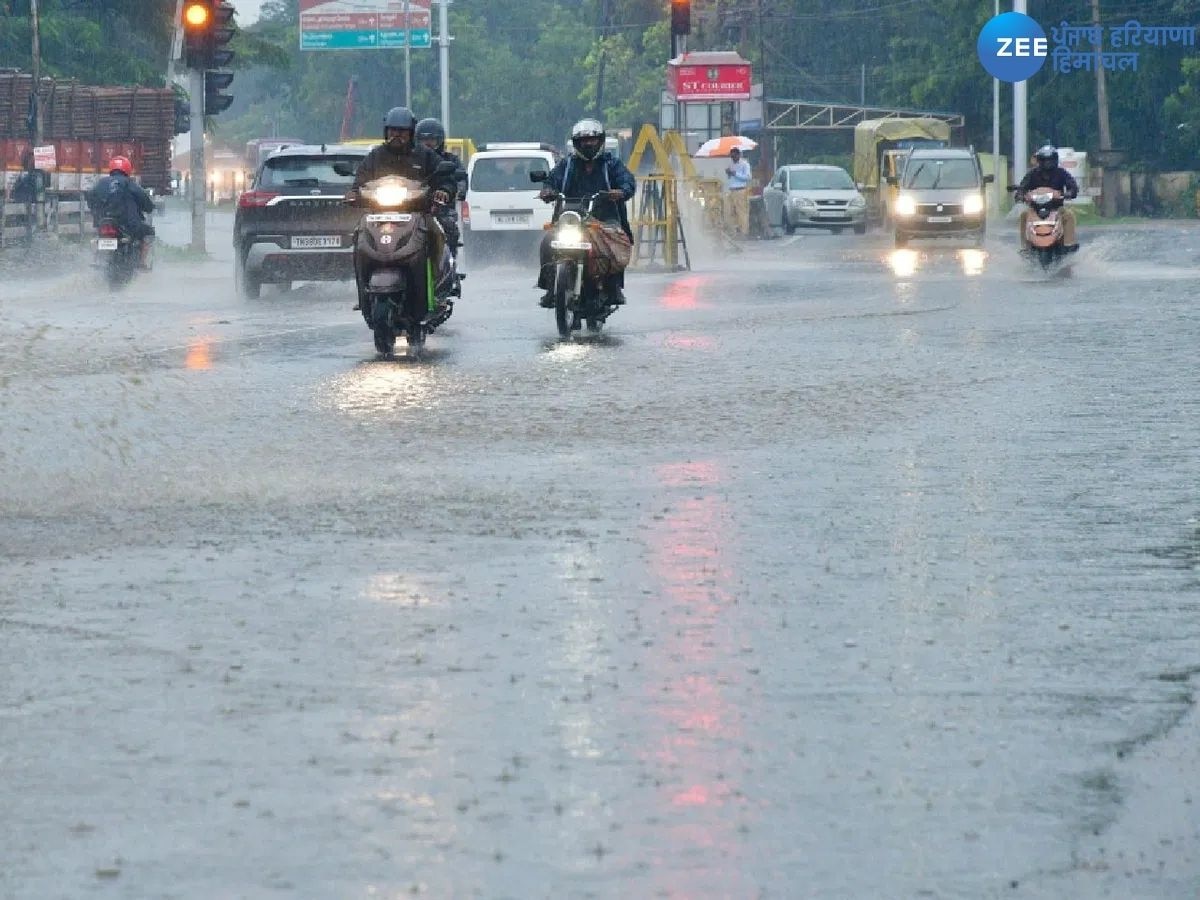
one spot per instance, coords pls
(502, 203)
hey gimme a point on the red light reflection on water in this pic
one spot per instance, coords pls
(692, 727)
(677, 341)
(199, 355)
(684, 293)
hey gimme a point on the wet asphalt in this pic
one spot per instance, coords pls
(827, 570)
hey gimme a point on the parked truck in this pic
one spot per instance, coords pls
(83, 127)
(879, 145)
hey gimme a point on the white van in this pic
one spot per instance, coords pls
(502, 204)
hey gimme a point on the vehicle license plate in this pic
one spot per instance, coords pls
(511, 218)
(935, 220)
(830, 213)
(311, 243)
(389, 217)
(107, 244)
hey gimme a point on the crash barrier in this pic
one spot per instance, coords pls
(62, 213)
(658, 233)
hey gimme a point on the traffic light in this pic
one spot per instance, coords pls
(681, 16)
(197, 32)
(207, 30)
(216, 81)
(223, 30)
(183, 116)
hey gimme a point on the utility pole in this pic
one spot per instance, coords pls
(996, 184)
(1020, 113)
(444, 60)
(176, 43)
(199, 184)
(33, 209)
(1106, 158)
(407, 56)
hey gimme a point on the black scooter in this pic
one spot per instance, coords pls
(401, 291)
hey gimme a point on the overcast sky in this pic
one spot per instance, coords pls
(247, 10)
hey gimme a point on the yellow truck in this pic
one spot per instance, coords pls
(464, 147)
(878, 146)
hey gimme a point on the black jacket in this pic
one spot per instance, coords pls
(575, 178)
(419, 164)
(121, 198)
(460, 174)
(1058, 178)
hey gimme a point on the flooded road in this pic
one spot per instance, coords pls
(827, 570)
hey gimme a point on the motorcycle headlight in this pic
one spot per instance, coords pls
(390, 195)
(972, 204)
(906, 205)
(857, 203)
(570, 234)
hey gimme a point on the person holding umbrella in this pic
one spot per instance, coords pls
(737, 193)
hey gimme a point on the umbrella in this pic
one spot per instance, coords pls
(722, 145)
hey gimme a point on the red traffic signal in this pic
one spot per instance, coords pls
(681, 16)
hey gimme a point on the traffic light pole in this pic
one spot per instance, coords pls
(199, 182)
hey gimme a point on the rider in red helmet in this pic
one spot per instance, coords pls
(118, 197)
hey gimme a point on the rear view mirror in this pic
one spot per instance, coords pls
(988, 179)
(345, 169)
(892, 179)
(538, 176)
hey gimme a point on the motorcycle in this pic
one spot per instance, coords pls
(579, 296)
(118, 253)
(401, 291)
(1044, 227)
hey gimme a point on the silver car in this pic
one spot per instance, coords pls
(815, 197)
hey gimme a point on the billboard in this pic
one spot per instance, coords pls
(364, 24)
(708, 76)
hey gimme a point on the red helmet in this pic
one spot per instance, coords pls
(120, 164)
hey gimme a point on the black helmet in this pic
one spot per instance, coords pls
(399, 118)
(1047, 157)
(587, 137)
(431, 129)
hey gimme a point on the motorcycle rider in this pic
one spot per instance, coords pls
(1048, 174)
(431, 134)
(118, 197)
(590, 169)
(399, 154)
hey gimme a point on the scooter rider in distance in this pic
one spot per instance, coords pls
(1048, 174)
(399, 154)
(119, 197)
(589, 170)
(431, 134)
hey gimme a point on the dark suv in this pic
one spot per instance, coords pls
(292, 224)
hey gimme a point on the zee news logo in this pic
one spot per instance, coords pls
(1022, 46)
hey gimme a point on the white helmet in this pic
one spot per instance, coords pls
(587, 137)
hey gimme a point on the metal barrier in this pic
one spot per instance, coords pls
(62, 213)
(657, 228)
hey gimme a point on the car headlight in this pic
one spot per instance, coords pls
(804, 203)
(906, 205)
(972, 204)
(857, 203)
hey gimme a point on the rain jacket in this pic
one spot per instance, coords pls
(574, 177)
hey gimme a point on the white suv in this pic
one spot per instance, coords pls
(502, 204)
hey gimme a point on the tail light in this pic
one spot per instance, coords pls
(466, 213)
(255, 198)
(109, 230)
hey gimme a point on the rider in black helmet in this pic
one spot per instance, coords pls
(431, 134)
(1048, 173)
(399, 154)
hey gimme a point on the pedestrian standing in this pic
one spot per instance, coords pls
(737, 194)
